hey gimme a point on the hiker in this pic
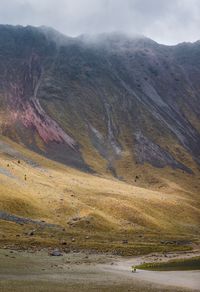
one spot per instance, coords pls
(133, 269)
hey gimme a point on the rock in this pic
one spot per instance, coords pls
(125, 241)
(63, 242)
(31, 233)
(76, 218)
(87, 237)
(169, 242)
(55, 253)
(73, 239)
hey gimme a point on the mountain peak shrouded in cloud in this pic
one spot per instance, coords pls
(113, 37)
(168, 22)
(113, 86)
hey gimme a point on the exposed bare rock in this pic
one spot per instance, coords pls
(55, 253)
(111, 97)
(147, 151)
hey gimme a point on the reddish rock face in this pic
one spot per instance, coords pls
(25, 107)
(32, 115)
(48, 129)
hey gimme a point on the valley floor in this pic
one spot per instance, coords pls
(37, 271)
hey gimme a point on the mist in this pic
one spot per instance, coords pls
(167, 22)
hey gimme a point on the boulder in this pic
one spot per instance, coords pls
(55, 253)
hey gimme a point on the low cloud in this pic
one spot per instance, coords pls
(169, 22)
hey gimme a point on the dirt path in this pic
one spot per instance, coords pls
(23, 271)
(179, 279)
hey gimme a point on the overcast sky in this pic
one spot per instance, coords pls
(166, 21)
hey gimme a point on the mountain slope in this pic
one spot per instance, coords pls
(101, 103)
(44, 203)
(99, 141)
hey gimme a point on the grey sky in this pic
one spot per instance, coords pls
(166, 21)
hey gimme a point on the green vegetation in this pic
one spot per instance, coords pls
(173, 265)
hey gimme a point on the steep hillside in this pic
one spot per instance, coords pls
(44, 203)
(99, 141)
(105, 104)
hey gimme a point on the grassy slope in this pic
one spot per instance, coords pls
(115, 210)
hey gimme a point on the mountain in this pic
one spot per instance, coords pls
(116, 117)
(110, 98)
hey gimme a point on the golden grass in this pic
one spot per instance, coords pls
(115, 209)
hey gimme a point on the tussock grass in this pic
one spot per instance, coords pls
(108, 210)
